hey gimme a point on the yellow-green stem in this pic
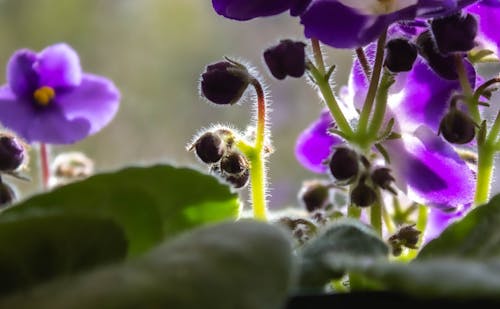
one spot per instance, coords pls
(486, 155)
(372, 89)
(380, 104)
(353, 212)
(376, 216)
(318, 72)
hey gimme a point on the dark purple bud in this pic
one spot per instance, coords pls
(286, 58)
(224, 82)
(210, 148)
(363, 196)
(344, 164)
(443, 65)
(400, 56)
(7, 194)
(298, 7)
(455, 33)
(314, 195)
(457, 127)
(238, 181)
(245, 9)
(234, 163)
(382, 177)
(12, 153)
(407, 236)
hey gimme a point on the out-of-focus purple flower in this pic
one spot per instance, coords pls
(245, 9)
(49, 99)
(488, 12)
(355, 23)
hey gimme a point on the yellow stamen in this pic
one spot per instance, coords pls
(44, 95)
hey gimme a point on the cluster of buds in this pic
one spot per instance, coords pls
(405, 237)
(13, 158)
(348, 167)
(216, 149)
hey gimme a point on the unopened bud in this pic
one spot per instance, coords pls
(363, 196)
(407, 236)
(12, 153)
(209, 147)
(400, 56)
(234, 163)
(457, 127)
(238, 181)
(314, 195)
(224, 82)
(443, 65)
(286, 58)
(382, 177)
(455, 33)
(344, 164)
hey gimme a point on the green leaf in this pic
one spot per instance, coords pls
(442, 277)
(37, 249)
(476, 236)
(150, 203)
(244, 265)
(344, 238)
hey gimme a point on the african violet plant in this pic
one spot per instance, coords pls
(404, 157)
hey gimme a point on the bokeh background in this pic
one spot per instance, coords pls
(155, 50)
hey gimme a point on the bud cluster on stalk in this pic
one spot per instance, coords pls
(216, 149)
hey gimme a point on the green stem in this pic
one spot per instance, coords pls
(389, 224)
(372, 89)
(467, 89)
(255, 155)
(318, 55)
(376, 216)
(353, 212)
(331, 102)
(381, 103)
(486, 156)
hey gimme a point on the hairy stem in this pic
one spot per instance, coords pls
(360, 54)
(486, 156)
(467, 89)
(381, 103)
(44, 165)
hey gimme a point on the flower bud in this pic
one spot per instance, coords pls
(238, 181)
(234, 163)
(314, 195)
(7, 194)
(363, 196)
(286, 58)
(12, 153)
(209, 147)
(457, 127)
(455, 33)
(443, 65)
(407, 236)
(382, 177)
(344, 164)
(224, 82)
(400, 56)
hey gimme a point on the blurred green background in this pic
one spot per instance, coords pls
(155, 50)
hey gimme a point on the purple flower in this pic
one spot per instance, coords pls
(49, 99)
(439, 220)
(355, 23)
(488, 12)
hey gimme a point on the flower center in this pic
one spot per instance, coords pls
(378, 7)
(44, 95)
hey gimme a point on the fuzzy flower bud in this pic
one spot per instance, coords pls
(457, 127)
(314, 195)
(401, 54)
(443, 65)
(344, 164)
(286, 58)
(383, 178)
(12, 153)
(455, 33)
(363, 196)
(209, 147)
(224, 82)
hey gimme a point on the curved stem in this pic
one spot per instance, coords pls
(480, 90)
(256, 157)
(372, 89)
(318, 55)
(44, 165)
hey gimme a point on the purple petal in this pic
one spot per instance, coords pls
(48, 125)
(489, 23)
(439, 220)
(59, 66)
(440, 8)
(21, 75)
(340, 26)
(430, 170)
(425, 97)
(314, 144)
(245, 9)
(96, 101)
